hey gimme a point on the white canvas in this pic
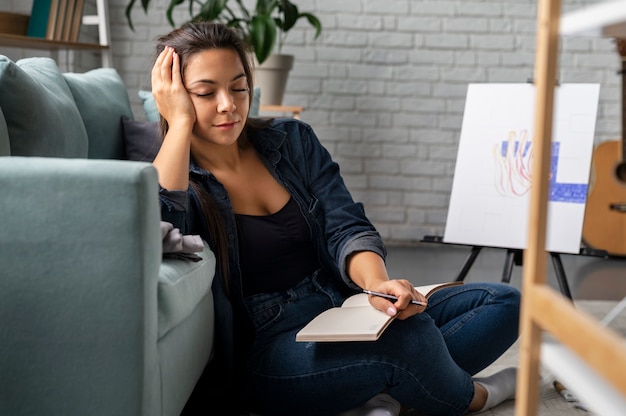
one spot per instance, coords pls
(490, 190)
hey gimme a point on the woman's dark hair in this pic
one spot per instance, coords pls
(189, 39)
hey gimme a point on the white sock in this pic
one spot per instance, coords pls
(500, 387)
(380, 405)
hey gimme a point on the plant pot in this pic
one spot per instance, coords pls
(271, 76)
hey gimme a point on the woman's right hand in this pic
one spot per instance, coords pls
(169, 92)
(174, 104)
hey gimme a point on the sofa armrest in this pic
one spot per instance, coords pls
(80, 251)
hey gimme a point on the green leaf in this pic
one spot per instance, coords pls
(212, 9)
(262, 36)
(290, 15)
(260, 26)
(315, 22)
(170, 9)
(265, 7)
(129, 8)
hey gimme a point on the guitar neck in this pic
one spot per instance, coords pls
(620, 45)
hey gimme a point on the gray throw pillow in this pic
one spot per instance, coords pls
(142, 139)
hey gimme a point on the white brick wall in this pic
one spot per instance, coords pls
(384, 87)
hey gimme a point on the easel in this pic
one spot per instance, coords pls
(506, 178)
(515, 257)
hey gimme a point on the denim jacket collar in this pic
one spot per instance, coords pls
(267, 142)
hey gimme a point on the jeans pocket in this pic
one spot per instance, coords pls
(263, 318)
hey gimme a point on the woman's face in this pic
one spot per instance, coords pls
(218, 88)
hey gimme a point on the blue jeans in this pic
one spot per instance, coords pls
(425, 362)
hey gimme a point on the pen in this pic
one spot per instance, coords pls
(392, 297)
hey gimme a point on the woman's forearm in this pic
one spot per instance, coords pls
(172, 161)
(366, 269)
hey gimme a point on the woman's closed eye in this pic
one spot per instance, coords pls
(238, 91)
(240, 87)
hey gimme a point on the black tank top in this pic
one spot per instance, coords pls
(276, 252)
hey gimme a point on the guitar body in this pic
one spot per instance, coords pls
(604, 227)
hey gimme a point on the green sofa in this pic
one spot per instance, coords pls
(94, 320)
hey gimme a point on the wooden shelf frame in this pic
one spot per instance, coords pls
(544, 309)
(100, 19)
(19, 41)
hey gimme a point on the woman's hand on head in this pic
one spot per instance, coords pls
(404, 291)
(169, 91)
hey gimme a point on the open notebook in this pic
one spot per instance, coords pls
(355, 319)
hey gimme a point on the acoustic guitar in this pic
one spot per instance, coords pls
(604, 226)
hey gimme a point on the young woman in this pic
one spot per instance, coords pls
(291, 242)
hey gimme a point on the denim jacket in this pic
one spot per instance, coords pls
(295, 157)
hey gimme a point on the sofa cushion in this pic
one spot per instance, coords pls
(5, 144)
(40, 112)
(142, 139)
(181, 286)
(149, 105)
(101, 98)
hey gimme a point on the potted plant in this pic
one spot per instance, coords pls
(265, 27)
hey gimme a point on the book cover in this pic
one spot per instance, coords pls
(68, 20)
(77, 20)
(38, 21)
(356, 319)
(52, 19)
(60, 21)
